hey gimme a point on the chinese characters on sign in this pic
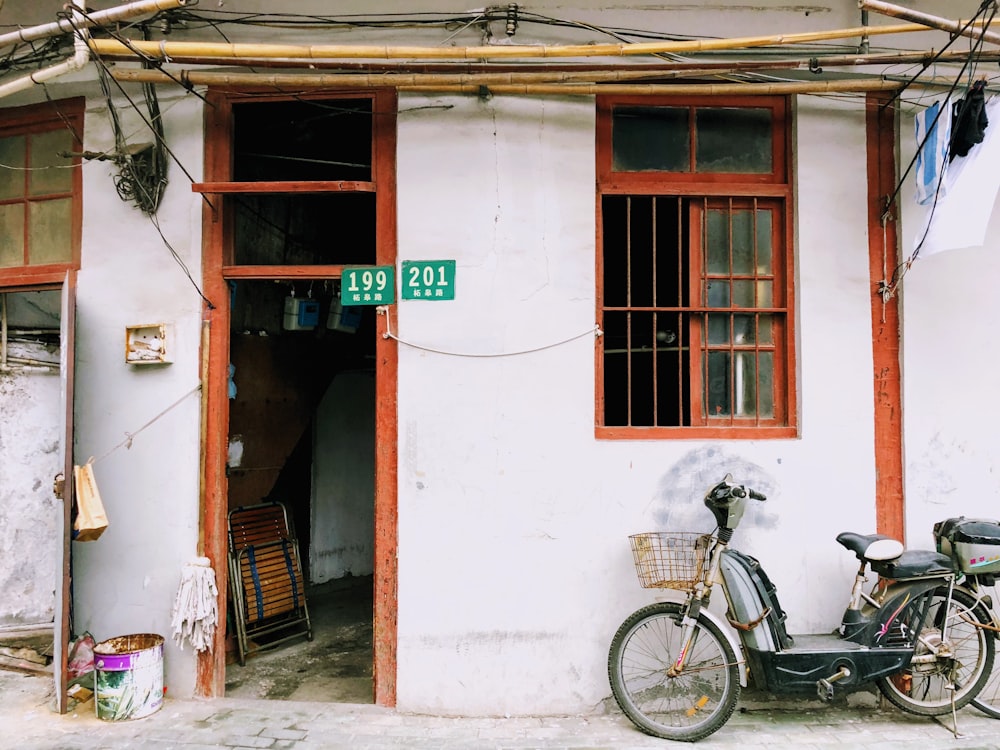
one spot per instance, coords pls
(368, 285)
(429, 279)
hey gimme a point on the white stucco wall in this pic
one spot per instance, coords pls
(343, 493)
(514, 562)
(950, 306)
(126, 581)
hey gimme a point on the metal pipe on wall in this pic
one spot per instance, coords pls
(98, 17)
(80, 58)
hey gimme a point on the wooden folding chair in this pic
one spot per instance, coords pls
(265, 576)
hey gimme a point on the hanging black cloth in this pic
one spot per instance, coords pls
(969, 121)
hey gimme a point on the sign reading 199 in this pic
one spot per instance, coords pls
(368, 285)
(428, 279)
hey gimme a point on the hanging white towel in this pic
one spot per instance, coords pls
(973, 182)
(195, 612)
(934, 125)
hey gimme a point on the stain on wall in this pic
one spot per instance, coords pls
(678, 503)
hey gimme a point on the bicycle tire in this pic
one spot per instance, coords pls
(923, 688)
(688, 707)
(987, 700)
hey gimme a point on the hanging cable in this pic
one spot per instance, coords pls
(888, 286)
(596, 330)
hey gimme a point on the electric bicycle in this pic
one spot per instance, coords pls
(676, 669)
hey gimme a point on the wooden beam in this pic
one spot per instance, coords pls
(887, 377)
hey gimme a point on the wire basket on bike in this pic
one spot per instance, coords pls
(669, 559)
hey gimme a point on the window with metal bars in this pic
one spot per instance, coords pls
(694, 272)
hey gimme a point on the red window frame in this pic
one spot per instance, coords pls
(695, 192)
(32, 120)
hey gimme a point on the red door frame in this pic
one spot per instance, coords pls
(883, 256)
(214, 501)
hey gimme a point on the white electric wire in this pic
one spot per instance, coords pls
(596, 330)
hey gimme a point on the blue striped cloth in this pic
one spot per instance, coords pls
(933, 132)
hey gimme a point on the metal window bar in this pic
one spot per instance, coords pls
(628, 304)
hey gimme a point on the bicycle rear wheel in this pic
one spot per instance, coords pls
(689, 706)
(926, 687)
(988, 699)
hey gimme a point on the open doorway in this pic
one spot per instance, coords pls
(298, 189)
(35, 349)
(302, 434)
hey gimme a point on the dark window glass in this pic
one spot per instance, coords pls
(733, 140)
(650, 139)
(305, 229)
(321, 140)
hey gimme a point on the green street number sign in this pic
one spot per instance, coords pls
(368, 285)
(428, 279)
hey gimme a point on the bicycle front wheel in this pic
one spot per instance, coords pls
(930, 684)
(689, 706)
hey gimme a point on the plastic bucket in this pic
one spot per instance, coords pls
(128, 676)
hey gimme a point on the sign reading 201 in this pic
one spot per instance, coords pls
(428, 279)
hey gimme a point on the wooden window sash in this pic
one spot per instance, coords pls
(34, 120)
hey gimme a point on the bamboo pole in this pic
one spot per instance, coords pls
(373, 80)
(696, 67)
(446, 84)
(692, 89)
(935, 22)
(164, 50)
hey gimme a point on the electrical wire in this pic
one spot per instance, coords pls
(888, 287)
(596, 330)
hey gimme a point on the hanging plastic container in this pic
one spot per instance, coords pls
(128, 677)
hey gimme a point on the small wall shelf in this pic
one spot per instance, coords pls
(147, 344)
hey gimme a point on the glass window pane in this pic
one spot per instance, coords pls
(743, 235)
(729, 139)
(743, 329)
(50, 231)
(50, 172)
(717, 384)
(650, 139)
(764, 254)
(765, 296)
(766, 385)
(12, 163)
(718, 293)
(718, 329)
(745, 386)
(765, 329)
(743, 293)
(305, 229)
(717, 241)
(12, 236)
(303, 140)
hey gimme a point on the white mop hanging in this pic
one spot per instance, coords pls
(196, 609)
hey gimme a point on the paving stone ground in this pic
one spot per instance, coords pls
(28, 723)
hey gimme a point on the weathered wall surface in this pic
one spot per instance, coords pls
(507, 503)
(126, 581)
(514, 567)
(30, 515)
